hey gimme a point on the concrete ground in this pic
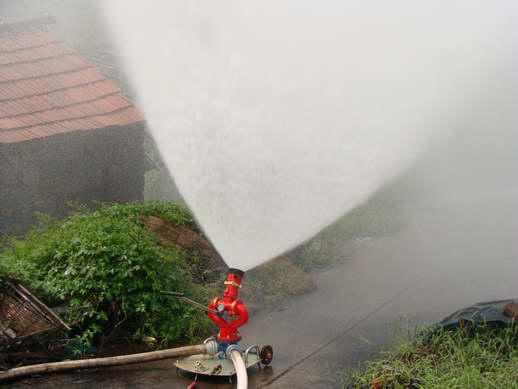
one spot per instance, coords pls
(436, 266)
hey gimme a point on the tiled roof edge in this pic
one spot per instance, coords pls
(30, 25)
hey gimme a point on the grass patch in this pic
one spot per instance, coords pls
(382, 215)
(107, 268)
(271, 283)
(479, 358)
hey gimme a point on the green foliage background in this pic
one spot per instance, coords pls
(108, 269)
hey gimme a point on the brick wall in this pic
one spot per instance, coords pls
(82, 166)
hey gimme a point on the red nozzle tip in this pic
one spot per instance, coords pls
(236, 272)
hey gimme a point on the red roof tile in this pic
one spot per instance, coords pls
(59, 99)
(48, 84)
(43, 67)
(33, 54)
(125, 116)
(25, 41)
(46, 89)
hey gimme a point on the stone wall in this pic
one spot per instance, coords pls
(45, 174)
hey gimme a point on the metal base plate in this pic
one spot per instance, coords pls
(211, 365)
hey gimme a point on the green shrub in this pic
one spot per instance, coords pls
(108, 269)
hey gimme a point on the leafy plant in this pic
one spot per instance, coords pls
(108, 269)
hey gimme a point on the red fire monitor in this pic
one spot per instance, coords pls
(230, 313)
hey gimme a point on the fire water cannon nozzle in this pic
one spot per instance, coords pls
(228, 312)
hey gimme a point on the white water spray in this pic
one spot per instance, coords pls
(277, 116)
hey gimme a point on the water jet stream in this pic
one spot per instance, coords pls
(276, 117)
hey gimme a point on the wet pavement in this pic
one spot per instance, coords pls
(390, 286)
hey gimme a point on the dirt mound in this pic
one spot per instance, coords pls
(269, 284)
(266, 285)
(202, 254)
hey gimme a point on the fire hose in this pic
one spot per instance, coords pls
(47, 368)
(227, 312)
(239, 365)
